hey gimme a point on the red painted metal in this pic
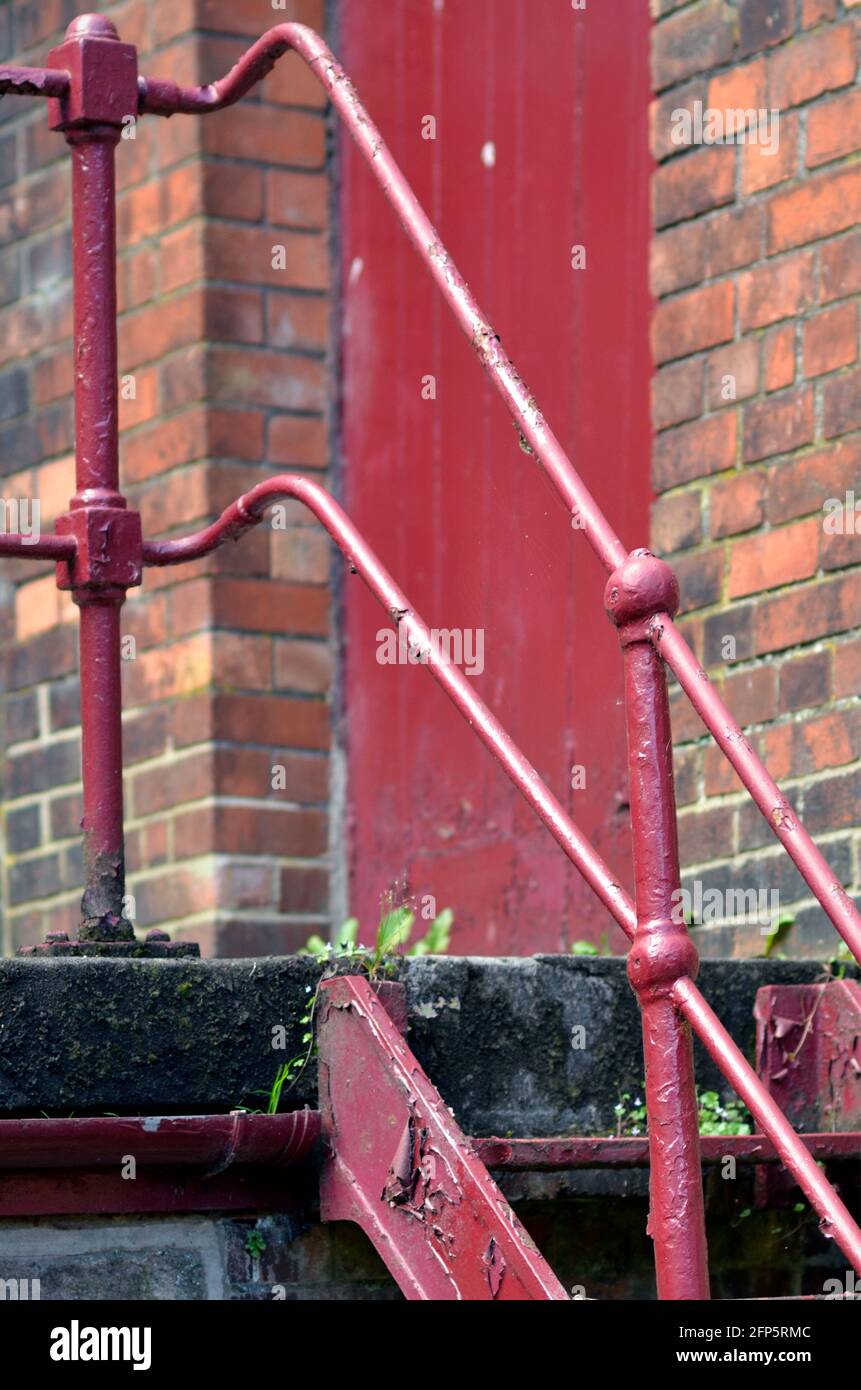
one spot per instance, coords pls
(551, 1155)
(467, 519)
(808, 1046)
(212, 1143)
(662, 952)
(183, 1163)
(100, 554)
(398, 1165)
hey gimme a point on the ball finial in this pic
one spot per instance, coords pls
(92, 26)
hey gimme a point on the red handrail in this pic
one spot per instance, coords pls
(93, 88)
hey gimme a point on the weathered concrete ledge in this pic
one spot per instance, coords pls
(495, 1035)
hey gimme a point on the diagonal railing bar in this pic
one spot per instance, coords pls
(166, 98)
(248, 511)
(93, 88)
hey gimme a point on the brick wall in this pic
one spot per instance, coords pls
(756, 267)
(229, 372)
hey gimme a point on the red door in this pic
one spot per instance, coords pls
(522, 125)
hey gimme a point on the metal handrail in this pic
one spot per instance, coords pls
(93, 88)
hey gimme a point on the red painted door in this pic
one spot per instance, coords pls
(539, 126)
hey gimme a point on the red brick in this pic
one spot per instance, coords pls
(733, 373)
(678, 258)
(847, 668)
(752, 695)
(246, 254)
(700, 577)
(275, 607)
(804, 615)
(802, 486)
(778, 358)
(841, 404)
(677, 393)
(734, 239)
(805, 681)
(804, 69)
(663, 116)
(298, 441)
(776, 290)
(706, 835)
(256, 377)
(676, 522)
(824, 204)
(701, 180)
(303, 666)
(695, 450)
(764, 23)
(244, 17)
(233, 190)
(698, 38)
(737, 504)
(300, 322)
(256, 131)
(690, 322)
(777, 425)
(720, 777)
(840, 268)
(834, 129)
(831, 339)
(779, 557)
(796, 750)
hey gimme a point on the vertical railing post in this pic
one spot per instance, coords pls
(102, 95)
(662, 952)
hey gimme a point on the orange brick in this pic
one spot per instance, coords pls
(834, 129)
(166, 444)
(733, 373)
(740, 88)
(778, 358)
(693, 321)
(807, 67)
(183, 256)
(831, 339)
(779, 557)
(817, 11)
(296, 199)
(763, 167)
(823, 205)
(143, 406)
(169, 671)
(776, 290)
